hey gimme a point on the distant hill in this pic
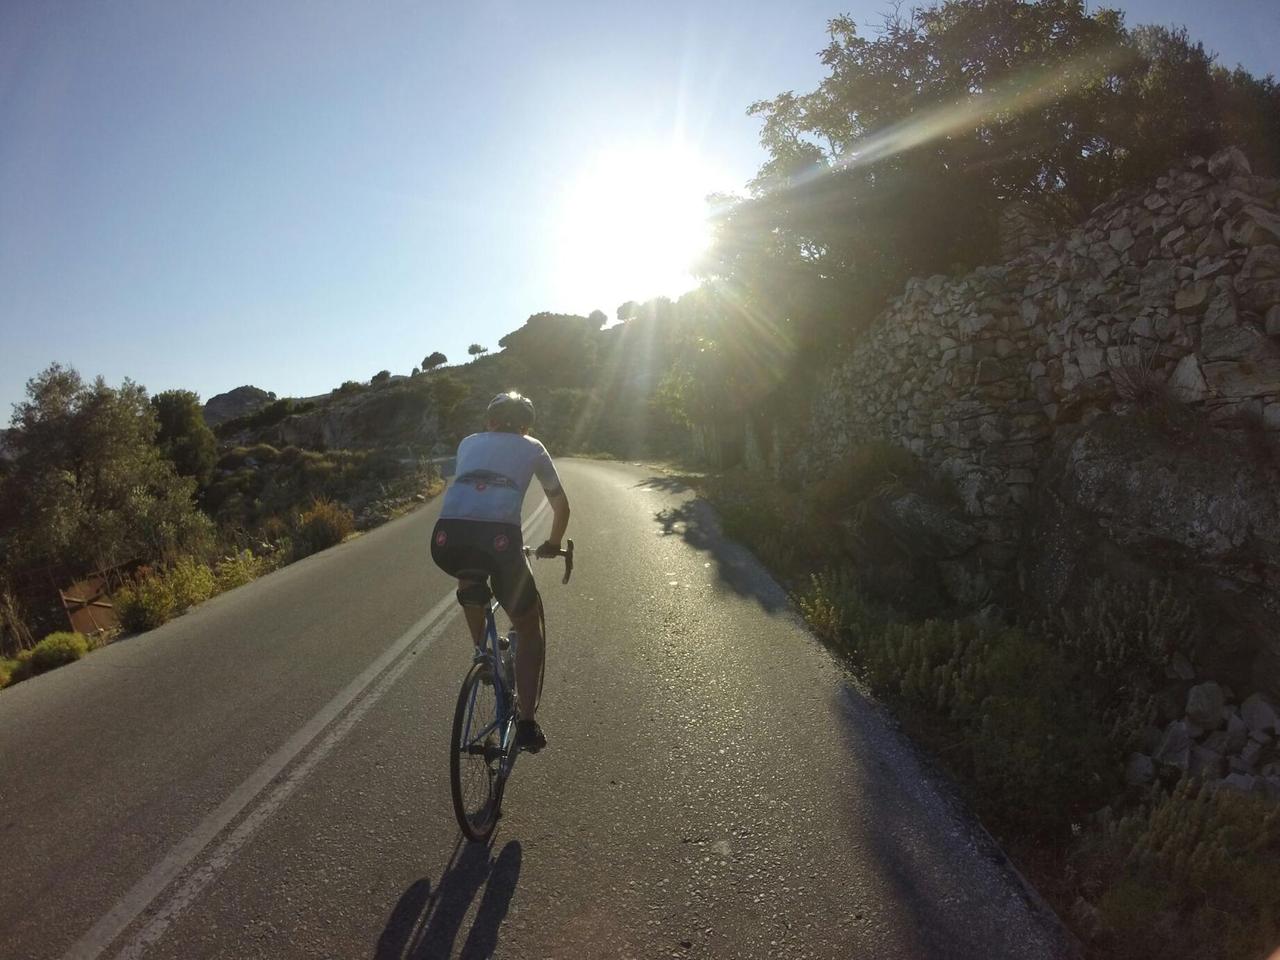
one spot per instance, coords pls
(235, 403)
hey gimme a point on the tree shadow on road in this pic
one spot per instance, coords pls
(695, 522)
(426, 922)
(670, 484)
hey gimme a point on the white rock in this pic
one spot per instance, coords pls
(1204, 705)
(1188, 384)
(1175, 746)
(1229, 162)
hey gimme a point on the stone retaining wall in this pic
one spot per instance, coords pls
(1176, 289)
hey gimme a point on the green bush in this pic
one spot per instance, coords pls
(238, 569)
(8, 668)
(834, 607)
(191, 581)
(866, 470)
(322, 525)
(145, 603)
(20, 667)
(1004, 710)
(1192, 874)
(263, 453)
(768, 519)
(58, 649)
(1122, 637)
(154, 598)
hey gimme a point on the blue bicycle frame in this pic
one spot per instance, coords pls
(504, 694)
(496, 743)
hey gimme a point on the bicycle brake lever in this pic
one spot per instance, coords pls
(567, 553)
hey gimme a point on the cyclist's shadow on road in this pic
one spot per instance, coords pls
(426, 922)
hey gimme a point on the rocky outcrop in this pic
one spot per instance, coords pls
(235, 403)
(1230, 744)
(1132, 498)
(1108, 403)
(374, 419)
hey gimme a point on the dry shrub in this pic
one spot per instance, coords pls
(14, 634)
(834, 607)
(322, 525)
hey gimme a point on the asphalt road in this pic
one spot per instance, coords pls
(267, 777)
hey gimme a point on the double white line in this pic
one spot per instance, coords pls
(254, 796)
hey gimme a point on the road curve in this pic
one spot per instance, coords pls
(266, 776)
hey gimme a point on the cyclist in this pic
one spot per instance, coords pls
(479, 530)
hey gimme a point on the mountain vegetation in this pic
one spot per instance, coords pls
(931, 146)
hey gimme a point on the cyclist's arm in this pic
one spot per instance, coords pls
(560, 517)
(546, 473)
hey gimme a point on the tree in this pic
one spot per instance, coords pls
(627, 310)
(433, 360)
(382, 376)
(919, 138)
(89, 487)
(598, 317)
(555, 349)
(476, 350)
(447, 392)
(184, 438)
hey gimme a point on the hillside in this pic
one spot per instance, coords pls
(239, 402)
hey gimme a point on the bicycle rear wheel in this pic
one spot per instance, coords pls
(475, 755)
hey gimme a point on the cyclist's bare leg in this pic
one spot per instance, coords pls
(529, 656)
(475, 617)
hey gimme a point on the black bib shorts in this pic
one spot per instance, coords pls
(494, 549)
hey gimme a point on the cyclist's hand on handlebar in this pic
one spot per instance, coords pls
(548, 550)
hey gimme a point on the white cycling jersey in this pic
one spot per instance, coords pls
(494, 470)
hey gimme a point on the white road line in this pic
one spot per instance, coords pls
(143, 893)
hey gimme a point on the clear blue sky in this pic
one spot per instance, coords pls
(293, 194)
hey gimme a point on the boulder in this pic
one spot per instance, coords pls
(1187, 382)
(1258, 713)
(1140, 770)
(1229, 343)
(1243, 782)
(923, 526)
(1175, 747)
(1203, 762)
(1237, 734)
(1119, 501)
(1228, 162)
(1204, 705)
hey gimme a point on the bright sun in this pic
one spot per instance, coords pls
(631, 225)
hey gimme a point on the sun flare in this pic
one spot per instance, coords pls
(631, 225)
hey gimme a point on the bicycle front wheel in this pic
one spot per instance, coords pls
(475, 754)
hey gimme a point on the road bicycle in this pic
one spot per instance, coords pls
(482, 750)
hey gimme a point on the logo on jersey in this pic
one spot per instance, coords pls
(441, 538)
(501, 542)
